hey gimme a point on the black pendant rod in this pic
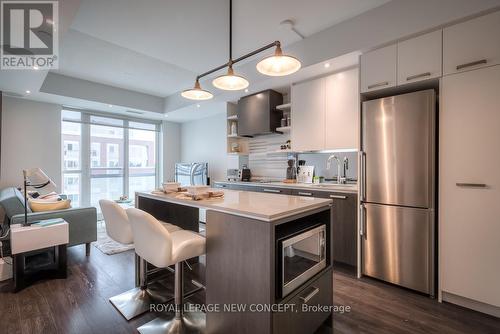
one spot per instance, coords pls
(230, 31)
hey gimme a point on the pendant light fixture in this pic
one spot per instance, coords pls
(230, 81)
(196, 93)
(278, 64)
(275, 65)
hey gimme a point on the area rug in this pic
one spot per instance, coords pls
(107, 245)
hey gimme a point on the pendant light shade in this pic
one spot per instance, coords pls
(230, 81)
(278, 64)
(197, 93)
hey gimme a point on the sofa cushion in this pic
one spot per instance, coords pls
(12, 201)
(41, 205)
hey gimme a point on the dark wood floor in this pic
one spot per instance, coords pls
(80, 304)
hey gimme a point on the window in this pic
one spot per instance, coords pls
(72, 157)
(121, 156)
(95, 154)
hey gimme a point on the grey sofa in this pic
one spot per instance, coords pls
(82, 221)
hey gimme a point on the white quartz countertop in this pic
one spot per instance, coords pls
(260, 206)
(330, 187)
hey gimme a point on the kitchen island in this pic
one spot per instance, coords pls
(247, 268)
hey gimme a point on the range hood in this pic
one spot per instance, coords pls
(257, 113)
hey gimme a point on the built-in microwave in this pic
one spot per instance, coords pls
(300, 256)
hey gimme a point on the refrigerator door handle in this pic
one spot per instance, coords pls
(362, 184)
(362, 220)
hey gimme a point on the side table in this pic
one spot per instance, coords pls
(38, 252)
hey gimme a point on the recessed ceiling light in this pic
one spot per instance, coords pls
(166, 115)
(110, 105)
(327, 65)
(246, 90)
(28, 92)
(198, 106)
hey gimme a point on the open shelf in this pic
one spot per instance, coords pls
(234, 136)
(284, 129)
(284, 106)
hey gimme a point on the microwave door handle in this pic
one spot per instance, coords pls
(322, 243)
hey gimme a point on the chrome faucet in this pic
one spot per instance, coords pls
(329, 163)
(340, 179)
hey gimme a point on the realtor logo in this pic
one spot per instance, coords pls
(29, 38)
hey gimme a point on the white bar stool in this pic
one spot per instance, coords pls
(135, 301)
(163, 248)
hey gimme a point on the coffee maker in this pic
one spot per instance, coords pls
(291, 171)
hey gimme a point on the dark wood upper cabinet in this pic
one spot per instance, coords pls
(257, 113)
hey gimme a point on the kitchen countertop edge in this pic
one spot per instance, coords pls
(206, 204)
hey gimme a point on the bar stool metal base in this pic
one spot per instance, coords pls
(138, 300)
(189, 323)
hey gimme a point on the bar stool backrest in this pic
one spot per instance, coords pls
(152, 241)
(117, 225)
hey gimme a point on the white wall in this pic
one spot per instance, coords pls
(171, 149)
(204, 140)
(31, 137)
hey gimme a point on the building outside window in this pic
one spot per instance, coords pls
(102, 143)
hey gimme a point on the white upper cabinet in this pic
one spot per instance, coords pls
(420, 58)
(325, 113)
(342, 110)
(378, 69)
(472, 44)
(308, 115)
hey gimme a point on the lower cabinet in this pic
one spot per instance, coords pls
(345, 217)
(345, 220)
(311, 307)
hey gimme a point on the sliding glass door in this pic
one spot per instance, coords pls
(105, 158)
(141, 160)
(107, 163)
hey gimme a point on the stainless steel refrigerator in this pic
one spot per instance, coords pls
(397, 190)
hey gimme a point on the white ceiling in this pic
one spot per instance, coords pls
(157, 47)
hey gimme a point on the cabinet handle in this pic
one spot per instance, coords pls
(474, 63)
(304, 194)
(271, 190)
(309, 296)
(421, 75)
(471, 185)
(380, 84)
(338, 196)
